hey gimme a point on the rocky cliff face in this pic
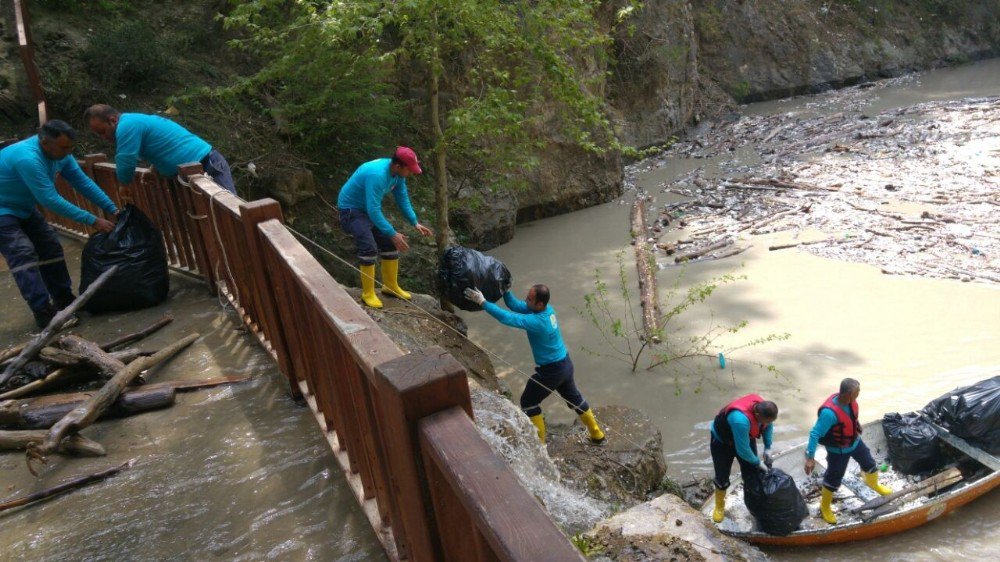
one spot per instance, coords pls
(770, 49)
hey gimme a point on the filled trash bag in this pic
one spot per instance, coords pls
(971, 412)
(461, 268)
(775, 502)
(913, 443)
(136, 247)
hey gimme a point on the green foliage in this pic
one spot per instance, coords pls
(112, 6)
(624, 336)
(508, 72)
(586, 544)
(128, 56)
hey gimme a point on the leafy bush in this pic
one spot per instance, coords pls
(127, 56)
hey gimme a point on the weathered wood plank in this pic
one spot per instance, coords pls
(516, 526)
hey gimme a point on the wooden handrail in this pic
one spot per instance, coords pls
(399, 424)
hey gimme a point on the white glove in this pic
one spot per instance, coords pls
(767, 458)
(474, 295)
(763, 468)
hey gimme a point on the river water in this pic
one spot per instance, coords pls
(907, 339)
(228, 473)
(241, 473)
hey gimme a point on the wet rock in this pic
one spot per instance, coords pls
(290, 186)
(421, 323)
(665, 528)
(627, 469)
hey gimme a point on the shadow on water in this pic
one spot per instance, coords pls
(234, 473)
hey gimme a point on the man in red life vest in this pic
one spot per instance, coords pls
(734, 435)
(838, 430)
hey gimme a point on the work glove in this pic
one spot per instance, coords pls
(474, 295)
(768, 459)
(763, 468)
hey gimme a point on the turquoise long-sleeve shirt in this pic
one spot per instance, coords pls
(824, 422)
(159, 141)
(28, 178)
(366, 188)
(542, 327)
(740, 424)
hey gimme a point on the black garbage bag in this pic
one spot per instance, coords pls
(913, 444)
(136, 247)
(970, 412)
(461, 268)
(775, 502)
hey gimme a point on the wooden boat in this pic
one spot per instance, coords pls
(979, 478)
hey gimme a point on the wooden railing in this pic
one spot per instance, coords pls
(400, 424)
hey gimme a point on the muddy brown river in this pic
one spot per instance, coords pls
(907, 339)
(241, 473)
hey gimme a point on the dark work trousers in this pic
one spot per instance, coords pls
(836, 464)
(722, 458)
(28, 241)
(369, 241)
(217, 168)
(557, 376)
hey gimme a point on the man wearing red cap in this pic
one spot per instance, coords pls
(360, 206)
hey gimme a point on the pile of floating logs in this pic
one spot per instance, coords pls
(50, 424)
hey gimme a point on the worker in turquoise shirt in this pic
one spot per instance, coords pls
(360, 206)
(29, 244)
(157, 140)
(553, 367)
(733, 435)
(837, 428)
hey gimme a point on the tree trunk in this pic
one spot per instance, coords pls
(647, 277)
(74, 445)
(442, 236)
(45, 411)
(85, 415)
(53, 328)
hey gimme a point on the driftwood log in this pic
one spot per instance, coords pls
(65, 487)
(136, 336)
(45, 411)
(644, 263)
(54, 326)
(73, 445)
(88, 412)
(717, 245)
(68, 375)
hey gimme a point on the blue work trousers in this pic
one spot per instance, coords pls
(723, 455)
(556, 376)
(369, 241)
(217, 168)
(25, 243)
(836, 464)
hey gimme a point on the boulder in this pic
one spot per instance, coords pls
(665, 528)
(625, 470)
(411, 329)
(289, 186)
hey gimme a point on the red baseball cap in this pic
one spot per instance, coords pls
(406, 155)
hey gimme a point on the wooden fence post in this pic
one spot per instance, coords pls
(201, 227)
(409, 388)
(252, 214)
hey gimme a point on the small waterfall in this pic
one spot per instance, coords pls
(513, 437)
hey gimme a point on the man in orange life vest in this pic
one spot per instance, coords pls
(734, 435)
(838, 430)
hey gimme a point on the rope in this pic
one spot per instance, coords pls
(218, 239)
(461, 335)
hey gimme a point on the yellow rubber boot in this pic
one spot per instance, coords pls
(368, 286)
(719, 513)
(539, 422)
(871, 479)
(390, 279)
(826, 506)
(596, 435)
